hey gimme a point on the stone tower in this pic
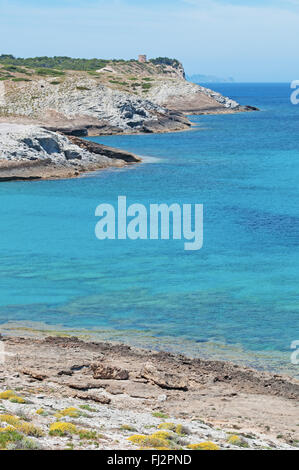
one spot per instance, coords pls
(142, 58)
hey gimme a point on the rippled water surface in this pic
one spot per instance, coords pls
(236, 298)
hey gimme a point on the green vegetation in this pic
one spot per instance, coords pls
(60, 63)
(88, 408)
(158, 414)
(9, 436)
(165, 61)
(15, 69)
(49, 72)
(19, 79)
(128, 427)
(62, 429)
(237, 441)
(82, 88)
(146, 86)
(15, 64)
(204, 446)
(116, 82)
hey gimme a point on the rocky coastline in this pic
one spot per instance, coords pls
(34, 153)
(111, 101)
(73, 394)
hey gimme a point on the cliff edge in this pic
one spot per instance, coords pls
(46, 103)
(119, 97)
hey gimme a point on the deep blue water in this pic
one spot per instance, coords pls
(236, 298)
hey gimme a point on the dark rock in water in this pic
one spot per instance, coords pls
(71, 130)
(251, 108)
(100, 149)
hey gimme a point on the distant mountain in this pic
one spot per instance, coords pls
(197, 78)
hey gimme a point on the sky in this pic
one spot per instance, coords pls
(249, 40)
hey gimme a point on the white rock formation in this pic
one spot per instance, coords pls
(85, 97)
(2, 94)
(125, 111)
(165, 92)
(20, 142)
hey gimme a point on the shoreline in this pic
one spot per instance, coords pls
(45, 169)
(53, 155)
(261, 361)
(214, 399)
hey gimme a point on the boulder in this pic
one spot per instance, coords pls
(93, 397)
(164, 379)
(35, 374)
(108, 371)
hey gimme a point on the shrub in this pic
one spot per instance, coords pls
(146, 86)
(21, 426)
(17, 400)
(204, 446)
(149, 441)
(237, 441)
(127, 427)
(49, 72)
(30, 430)
(158, 414)
(7, 394)
(88, 408)
(10, 419)
(18, 79)
(8, 436)
(11, 396)
(169, 426)
(71, 412)
(62, 429)
(23, 444)
(85, 434)
(162, 435)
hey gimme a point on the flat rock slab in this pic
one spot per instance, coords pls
(164, 379)
(109, 371)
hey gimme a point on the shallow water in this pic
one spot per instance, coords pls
(236, 298)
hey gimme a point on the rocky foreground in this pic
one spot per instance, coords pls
(63, 393)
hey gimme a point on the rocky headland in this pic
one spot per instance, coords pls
(64, 393)
(31, 152)
(42, 105)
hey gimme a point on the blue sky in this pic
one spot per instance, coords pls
(250, 40)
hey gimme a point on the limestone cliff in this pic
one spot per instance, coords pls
(121, 97)
(44, 111)
(31, 152)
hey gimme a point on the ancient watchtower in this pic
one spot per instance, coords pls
(142, 58)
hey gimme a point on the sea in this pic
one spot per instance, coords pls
(236, 299)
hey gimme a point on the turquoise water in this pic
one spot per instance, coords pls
(236, 298)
